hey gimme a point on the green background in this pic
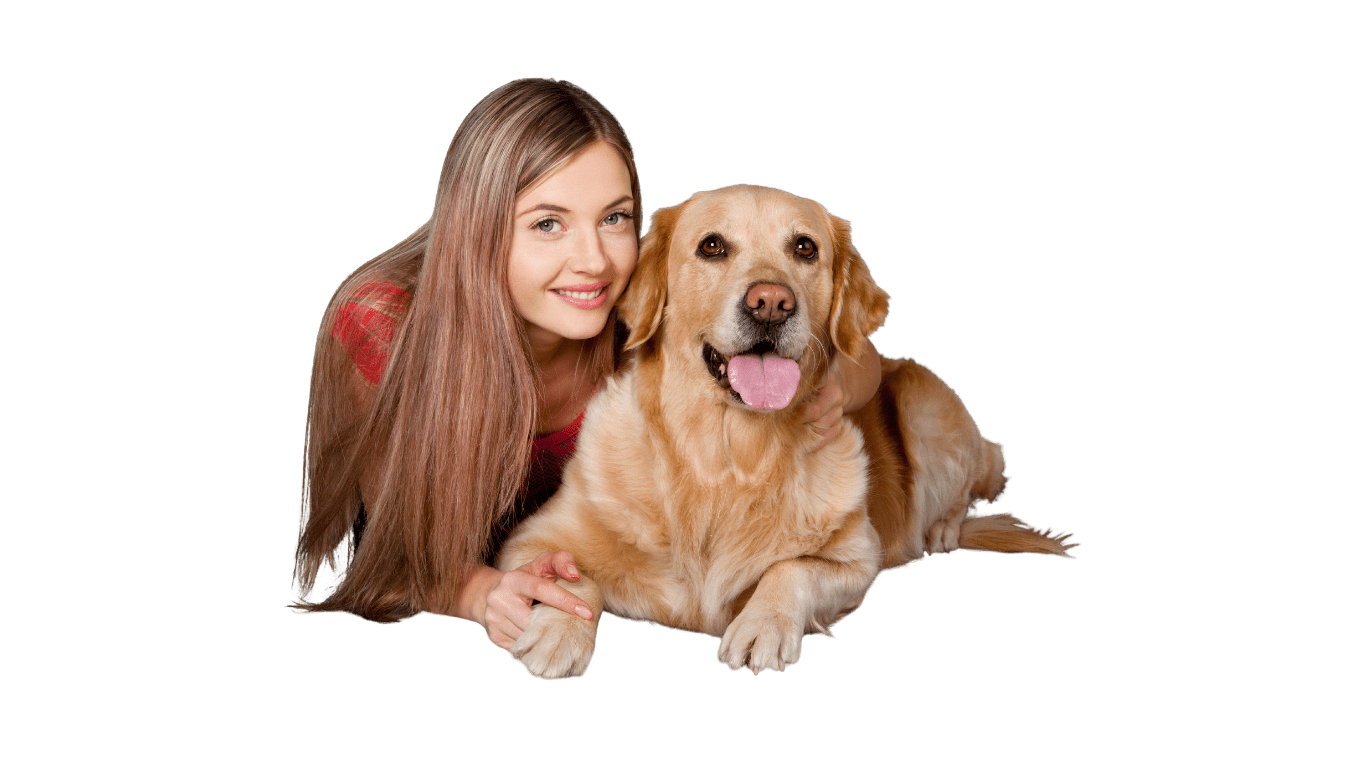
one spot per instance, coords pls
(1128, 237)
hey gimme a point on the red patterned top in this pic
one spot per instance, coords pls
(366, 323)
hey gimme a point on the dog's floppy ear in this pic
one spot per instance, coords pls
(858, 306)
(641, 306)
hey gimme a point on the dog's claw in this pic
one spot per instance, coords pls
(767, 642)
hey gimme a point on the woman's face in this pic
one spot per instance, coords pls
(573, 247)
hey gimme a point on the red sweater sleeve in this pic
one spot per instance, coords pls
(365, 324)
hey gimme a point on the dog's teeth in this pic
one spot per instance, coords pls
(723, 369)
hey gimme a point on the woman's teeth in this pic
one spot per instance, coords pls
(579, 294)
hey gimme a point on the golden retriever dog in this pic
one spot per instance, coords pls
(697, 498)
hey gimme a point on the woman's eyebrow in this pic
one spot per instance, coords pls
(545, 207)
(560, 209)
(618, 201)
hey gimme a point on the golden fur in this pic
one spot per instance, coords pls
(684, 506)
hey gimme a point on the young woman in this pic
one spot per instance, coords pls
(451, 371)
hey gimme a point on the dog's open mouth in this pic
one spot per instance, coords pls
(758, 378)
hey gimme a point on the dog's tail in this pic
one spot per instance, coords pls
(1003, 533)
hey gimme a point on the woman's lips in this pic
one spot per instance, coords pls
(590, 296)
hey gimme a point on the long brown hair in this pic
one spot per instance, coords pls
(444, 444)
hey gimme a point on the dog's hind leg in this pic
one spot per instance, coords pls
(988, 481)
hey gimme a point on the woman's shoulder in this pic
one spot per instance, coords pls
(365, 322)
(380, 289)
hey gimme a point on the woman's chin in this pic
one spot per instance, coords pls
(582, 328)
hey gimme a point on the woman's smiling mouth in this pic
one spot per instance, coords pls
(589, 296)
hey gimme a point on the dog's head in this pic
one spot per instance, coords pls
(757, 286)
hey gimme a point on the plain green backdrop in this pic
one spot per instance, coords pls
(1129, 236)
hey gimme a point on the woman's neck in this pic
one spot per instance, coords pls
(548, 351)
(565, 389)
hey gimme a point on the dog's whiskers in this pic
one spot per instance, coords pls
(824, 358)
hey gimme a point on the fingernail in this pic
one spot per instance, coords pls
(573, 574)
(584, 612)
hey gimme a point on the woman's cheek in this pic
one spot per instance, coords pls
(630, 256)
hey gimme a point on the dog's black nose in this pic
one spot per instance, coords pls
(770, 303)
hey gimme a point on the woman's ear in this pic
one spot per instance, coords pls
(641, 306)
(859, 306)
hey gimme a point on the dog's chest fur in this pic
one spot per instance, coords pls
(705, 522)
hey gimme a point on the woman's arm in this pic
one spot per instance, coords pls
(849, 386)
(862, 378)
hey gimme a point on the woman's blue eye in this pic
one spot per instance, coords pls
(545, 225)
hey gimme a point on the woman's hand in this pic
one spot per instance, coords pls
(825, 414)
(848, 386)
(507, 604)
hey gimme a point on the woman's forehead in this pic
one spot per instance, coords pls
(596, 176)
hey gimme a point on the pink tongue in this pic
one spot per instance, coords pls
(768, 382)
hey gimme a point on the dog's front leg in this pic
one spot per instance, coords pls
(555, 643)
(793, 597)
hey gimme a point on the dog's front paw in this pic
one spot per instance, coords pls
(555, 644)
(762, 641)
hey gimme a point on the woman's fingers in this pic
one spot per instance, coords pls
(547, 567)
(563, 564)
(509, 607)
(826, 409)
(828, 433)
(502, 631)
(501, 638)
(556, 596)
(825, 412)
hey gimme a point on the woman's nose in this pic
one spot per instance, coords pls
(589, 257)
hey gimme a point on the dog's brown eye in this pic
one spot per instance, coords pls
(805, 248)
(711, 247)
